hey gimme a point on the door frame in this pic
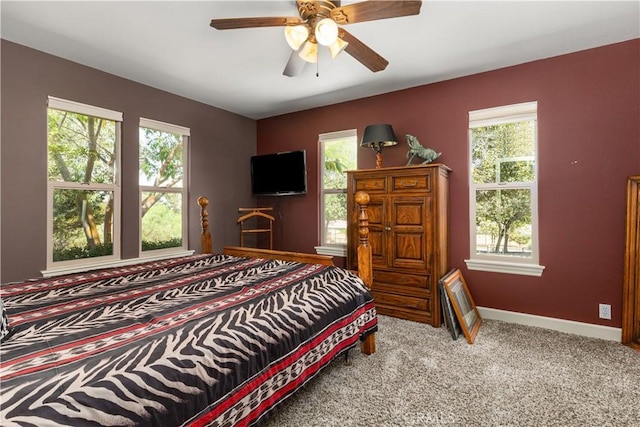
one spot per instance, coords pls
(631, 287)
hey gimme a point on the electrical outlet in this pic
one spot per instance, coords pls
(605, 311)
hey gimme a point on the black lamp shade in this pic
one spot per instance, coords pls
(378, 136)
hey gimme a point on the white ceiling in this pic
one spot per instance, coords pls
(169, 45)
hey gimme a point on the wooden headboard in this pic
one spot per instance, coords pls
(364, 250)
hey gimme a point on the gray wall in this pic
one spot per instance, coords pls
(220, 146)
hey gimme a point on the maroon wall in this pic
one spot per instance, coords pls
(589, 142)
(220, 146)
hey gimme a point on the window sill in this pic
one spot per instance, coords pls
(332, 250)
(58, 271)
(505, 267)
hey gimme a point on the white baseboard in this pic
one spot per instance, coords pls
(561, 325)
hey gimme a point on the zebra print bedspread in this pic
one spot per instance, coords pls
(200, 340)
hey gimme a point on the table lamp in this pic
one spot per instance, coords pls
(377, 137)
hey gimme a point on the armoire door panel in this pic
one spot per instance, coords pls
(408, 213)
(377, 233)
(410, 251)
(377, 243)
(375, 211)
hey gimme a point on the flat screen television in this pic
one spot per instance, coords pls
(279, 174)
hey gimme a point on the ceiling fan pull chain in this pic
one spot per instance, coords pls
(318, 66)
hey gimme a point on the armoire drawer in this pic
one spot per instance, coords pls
(372, 184)
(411, 183)
(401, 279)
(400, 301)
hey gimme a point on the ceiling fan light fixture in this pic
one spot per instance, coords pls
(296, 35)
(326, 31)
(336, 47)
(309, 52)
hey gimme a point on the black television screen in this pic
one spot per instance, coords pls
(279, 174)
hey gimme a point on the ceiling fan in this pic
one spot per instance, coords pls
(320, 22)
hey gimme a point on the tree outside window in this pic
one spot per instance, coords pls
(338, 154)
(503, 200)
(162, 149)
(83, 190)
(503, 156)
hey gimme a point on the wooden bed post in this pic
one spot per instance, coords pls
(205, 236)
(364, 250)
(365, 267)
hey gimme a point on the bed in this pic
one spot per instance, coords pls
(208, 339)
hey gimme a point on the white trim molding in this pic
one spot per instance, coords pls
(85, 109)
(503, 114)
(341, 134)
(505, 267)
(117, 263)
(164, 127)
(560, 325)
(331, 250)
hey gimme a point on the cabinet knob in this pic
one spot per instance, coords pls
(387, 228)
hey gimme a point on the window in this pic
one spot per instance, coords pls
(338, 153)
(83, 192)
(163, 191)
(503, 190)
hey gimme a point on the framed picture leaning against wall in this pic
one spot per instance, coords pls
(463, 304)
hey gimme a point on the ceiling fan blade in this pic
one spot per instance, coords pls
(372, 10)
(267, 21)
(363, 53)
(294, 66)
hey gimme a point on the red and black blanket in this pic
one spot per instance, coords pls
(199, 340)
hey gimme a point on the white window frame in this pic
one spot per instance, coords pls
(324, 249)
(63, 267)
(502, 263)
(184, 191)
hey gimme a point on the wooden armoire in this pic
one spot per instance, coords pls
(408, 234)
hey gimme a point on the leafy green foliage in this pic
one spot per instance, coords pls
(77, 215)
(160, 158)
(163, 222)
(339, 156)
(81, 150)
(161, 164)
(502, 213)
(80, 252)
(170, 243)
(503, 154)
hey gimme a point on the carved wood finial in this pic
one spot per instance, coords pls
(206, 245)
(364, 249)
(362, 199)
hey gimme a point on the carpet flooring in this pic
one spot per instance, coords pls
(512, 375)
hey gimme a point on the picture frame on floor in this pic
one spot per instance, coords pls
(448, 315)
(463, 305)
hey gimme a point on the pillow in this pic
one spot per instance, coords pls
(4, 322)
